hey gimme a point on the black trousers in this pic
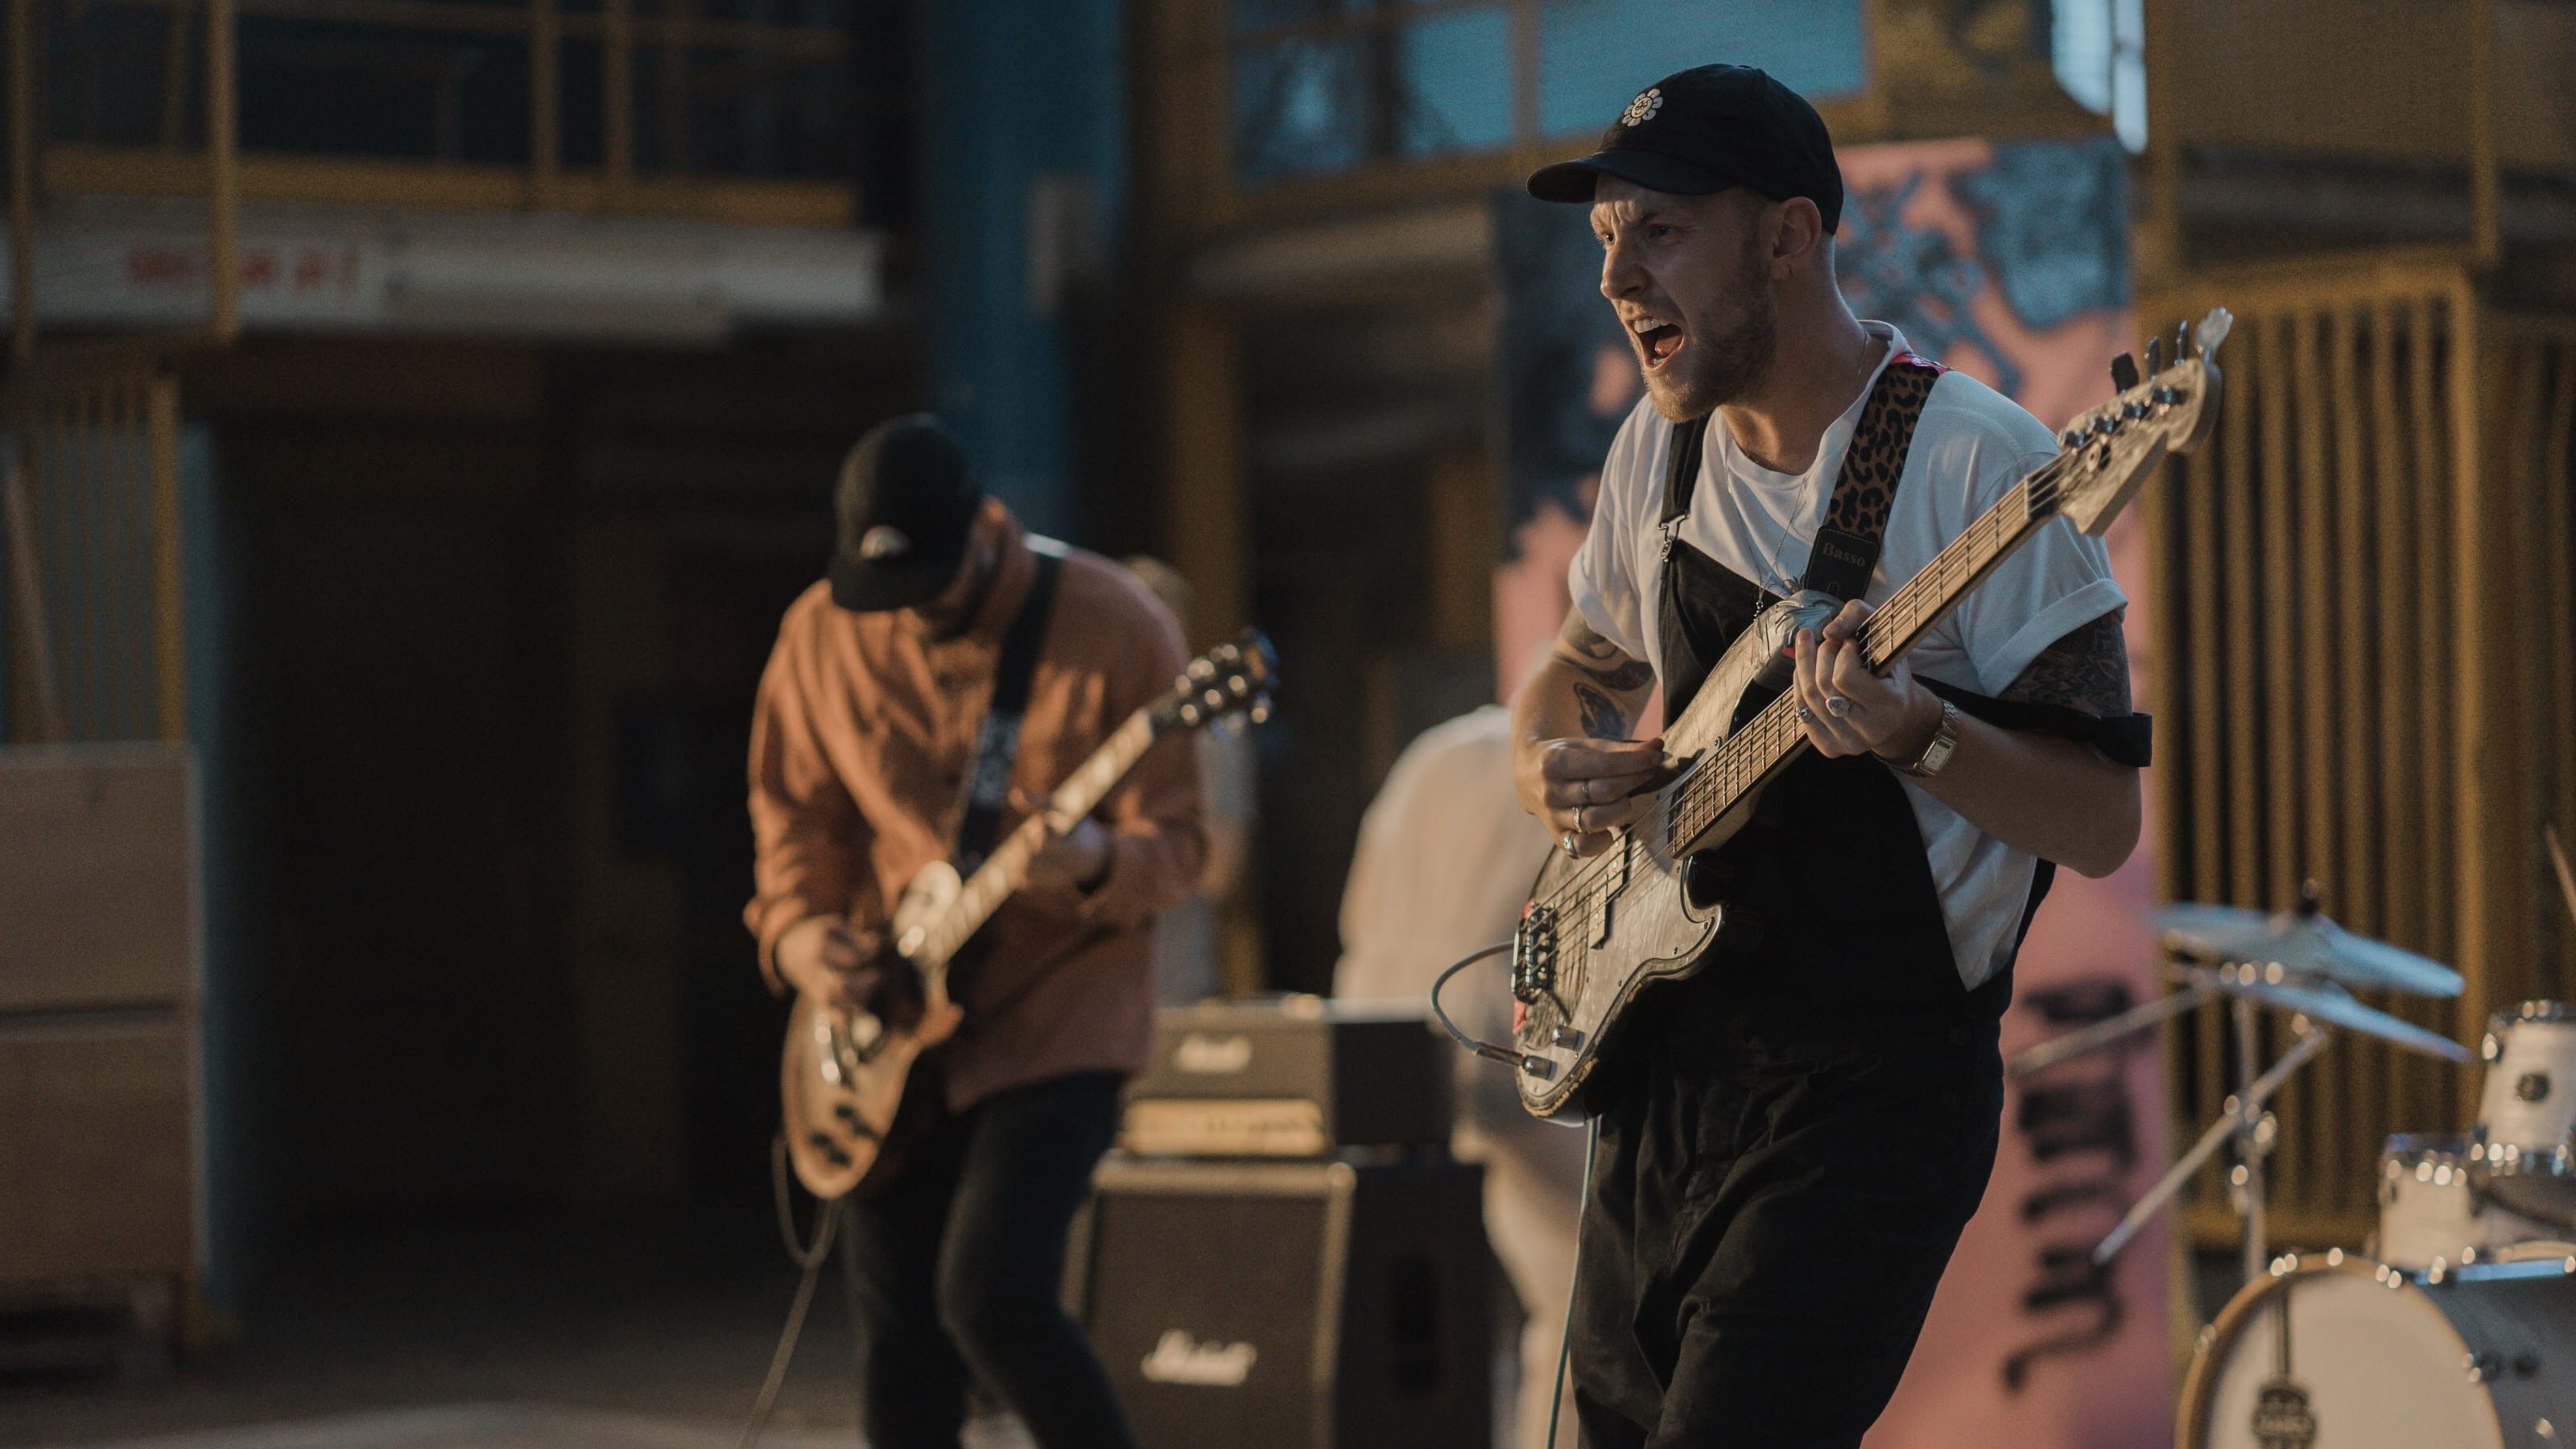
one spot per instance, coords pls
(954, 1271)
(1770, 1212)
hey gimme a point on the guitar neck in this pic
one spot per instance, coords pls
(1774, 737)
(1007, 869)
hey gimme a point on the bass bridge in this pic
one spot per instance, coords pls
(1534, 954)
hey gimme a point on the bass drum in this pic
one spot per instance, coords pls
(2483, 1357)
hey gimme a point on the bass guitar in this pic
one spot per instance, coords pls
(1601, 929)
(843, 1073)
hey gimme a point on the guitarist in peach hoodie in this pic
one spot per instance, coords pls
(870, 720)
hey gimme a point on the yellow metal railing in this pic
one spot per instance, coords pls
(2366, 607)
(669, 60)
(90, 518)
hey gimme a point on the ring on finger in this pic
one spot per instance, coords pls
(1567, 841)
(1838, 707)
(1803, 713)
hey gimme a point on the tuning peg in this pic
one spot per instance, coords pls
(2124, 372)
(2214, 329)
(2155, 355)
(2182, 339)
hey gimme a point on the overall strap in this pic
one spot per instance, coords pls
(1846, 550)
(1682, 478)
(997, 744)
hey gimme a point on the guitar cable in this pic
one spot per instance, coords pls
(1488, 1050)
(1591, 1144)
(809, 1257)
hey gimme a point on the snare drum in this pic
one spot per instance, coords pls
(2524, 1150)
(2375, 1358)
(2428, 1212)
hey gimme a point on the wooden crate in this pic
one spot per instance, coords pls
(96, 878)
(101, 1182)
(98, 1129)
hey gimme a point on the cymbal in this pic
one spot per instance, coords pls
(2325, 1002)
(2303, 943)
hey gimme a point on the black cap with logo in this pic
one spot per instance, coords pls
(906, 504)
(1706, 129)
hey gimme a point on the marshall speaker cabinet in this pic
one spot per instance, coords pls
(1302, 1305)
(1295, 1076)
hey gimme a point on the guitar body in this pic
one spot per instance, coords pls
(1644, 928)
(842, 1074)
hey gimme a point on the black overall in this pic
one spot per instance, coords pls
(1792, 1139)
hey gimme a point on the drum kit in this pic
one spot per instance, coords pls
(2458, 1326)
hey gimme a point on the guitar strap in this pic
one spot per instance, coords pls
(1846, 548)
(997, 743)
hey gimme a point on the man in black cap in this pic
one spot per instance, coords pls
(875, 751)
(1792, 1139)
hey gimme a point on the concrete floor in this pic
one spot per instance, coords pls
(651, 1334)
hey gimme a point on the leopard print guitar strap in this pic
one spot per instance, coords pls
(1847, 546)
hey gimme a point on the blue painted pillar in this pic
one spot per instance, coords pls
(1023, 115)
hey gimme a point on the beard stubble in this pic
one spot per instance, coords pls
(1724, 366)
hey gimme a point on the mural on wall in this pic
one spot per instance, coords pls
(2008, 262)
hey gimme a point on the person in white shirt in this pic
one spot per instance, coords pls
(1791, 1139)
(1445, 860)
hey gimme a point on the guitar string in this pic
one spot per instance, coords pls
(2036, 495)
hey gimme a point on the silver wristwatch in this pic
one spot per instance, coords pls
(1945, 738)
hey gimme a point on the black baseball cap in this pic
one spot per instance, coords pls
(1706, 129)
(906, 505)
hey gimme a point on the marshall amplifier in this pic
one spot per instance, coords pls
(1296, 1076)
(1320, 1305)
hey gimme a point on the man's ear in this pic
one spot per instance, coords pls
(1797, 231)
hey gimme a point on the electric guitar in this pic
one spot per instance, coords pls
(843, 1073)
(1599, 930)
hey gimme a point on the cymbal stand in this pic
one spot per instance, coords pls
(2253, 1145)
(2244, 1119)
(2109, 1029)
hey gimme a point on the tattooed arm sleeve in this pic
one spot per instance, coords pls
(1610, 689)
(2087, 670)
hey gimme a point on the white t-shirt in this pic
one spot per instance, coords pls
(1970, 447)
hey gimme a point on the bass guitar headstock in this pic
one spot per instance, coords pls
(2106, 454)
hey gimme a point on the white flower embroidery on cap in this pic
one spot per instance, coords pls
(1643, 108)
(883, 542)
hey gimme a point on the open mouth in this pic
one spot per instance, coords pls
(1657, 340)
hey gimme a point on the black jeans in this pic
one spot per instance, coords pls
(1770, 1213)
(955, 1268)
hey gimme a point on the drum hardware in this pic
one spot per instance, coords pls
(2297, 961)
(2558, 858)
(2252, 1127)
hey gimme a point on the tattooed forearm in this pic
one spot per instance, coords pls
(1599, 660)
(1602, 719)
(2087, 670)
